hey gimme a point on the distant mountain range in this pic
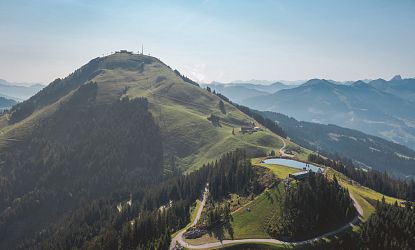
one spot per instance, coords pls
(240, 91)
(378, 107)
(6, 103)
(18, 91)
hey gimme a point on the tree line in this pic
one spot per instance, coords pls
(376, 180)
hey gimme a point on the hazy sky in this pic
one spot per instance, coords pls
(220, 40)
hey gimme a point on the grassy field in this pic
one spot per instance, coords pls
(235, 201)
(250, 221)
(202, 240)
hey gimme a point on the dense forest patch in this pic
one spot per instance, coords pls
(83, 152)
(389, 227)
(311, 208)
(148, 214)
(374, 179)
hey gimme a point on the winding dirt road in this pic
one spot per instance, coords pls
(179, 237)
(282, 150)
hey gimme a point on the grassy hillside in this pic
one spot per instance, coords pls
(249, 222)
(189, 135)
(180, 109)
(89, 134)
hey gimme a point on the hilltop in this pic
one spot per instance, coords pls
(118, 125)
(180, 109)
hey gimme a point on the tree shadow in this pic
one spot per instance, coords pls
(220, 232)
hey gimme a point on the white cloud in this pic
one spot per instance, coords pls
(196, 72)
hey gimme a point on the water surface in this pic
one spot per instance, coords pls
(292, 163)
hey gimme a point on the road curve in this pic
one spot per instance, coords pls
(179, 237)
(282, 150)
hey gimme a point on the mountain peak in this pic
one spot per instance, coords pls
(360, 83)
(396, 78)
(313, 82)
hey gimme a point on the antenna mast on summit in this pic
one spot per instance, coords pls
(142, 49)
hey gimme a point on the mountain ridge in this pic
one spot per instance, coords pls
(19, 91)
(384, 105)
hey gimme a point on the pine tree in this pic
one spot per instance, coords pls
(222, 107)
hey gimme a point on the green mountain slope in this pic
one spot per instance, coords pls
(116, 125)
(180, 109)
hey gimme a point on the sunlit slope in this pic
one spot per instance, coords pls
(365, 196)
(180, 109)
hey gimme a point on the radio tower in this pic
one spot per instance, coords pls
(142, 49)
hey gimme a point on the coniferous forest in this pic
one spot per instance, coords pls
(312, 207)
(156, 210)
(389, 227)
(376, 180)
(62, 167)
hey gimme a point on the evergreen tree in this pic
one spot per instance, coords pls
(222, 107)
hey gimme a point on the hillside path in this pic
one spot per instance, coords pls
(179, 237)
(282, 150)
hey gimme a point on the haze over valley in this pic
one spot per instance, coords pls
(379, 107)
